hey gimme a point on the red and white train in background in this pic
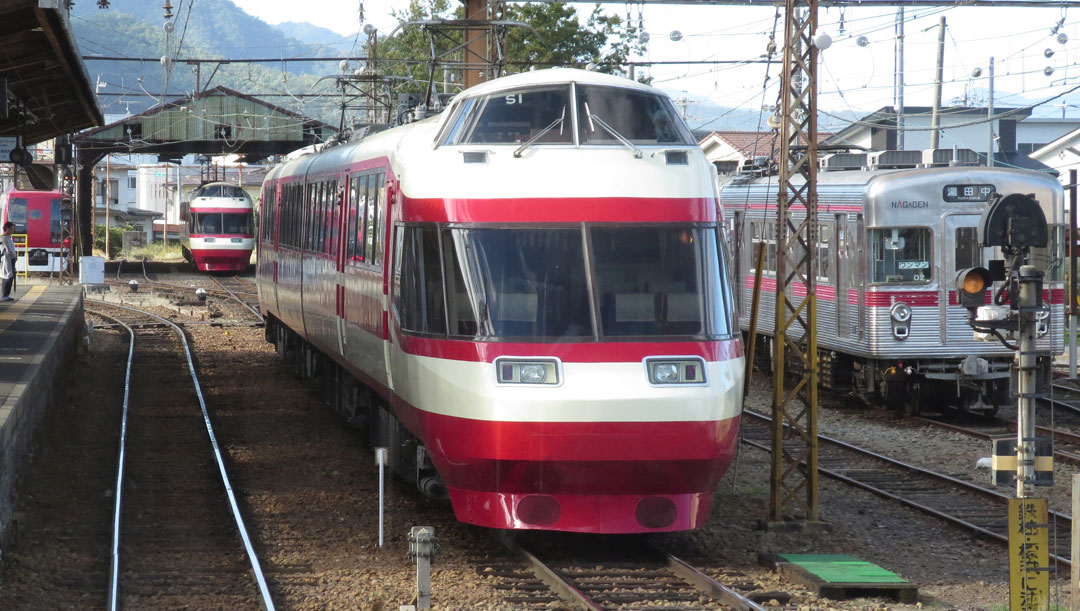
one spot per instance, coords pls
(42, 228)
(216, 228)
(895, 227)
(523, 298)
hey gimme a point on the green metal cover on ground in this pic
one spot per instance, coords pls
(841, 568)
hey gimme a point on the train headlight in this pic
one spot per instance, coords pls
(684, 370)
(533, 373)
(665, 373)
(527, 371)
(900, 312)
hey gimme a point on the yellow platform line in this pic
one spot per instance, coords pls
(12, 311)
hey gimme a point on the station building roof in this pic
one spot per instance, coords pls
(41, 64)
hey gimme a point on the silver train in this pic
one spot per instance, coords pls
(889, 325)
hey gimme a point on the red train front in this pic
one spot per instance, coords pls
(42, 228)
(525, 299)
(216, 233)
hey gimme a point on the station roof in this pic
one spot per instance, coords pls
(41, 63)
(214, 122)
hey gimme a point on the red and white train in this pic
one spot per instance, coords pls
(216, 232)
(42, 228)
(524, 298)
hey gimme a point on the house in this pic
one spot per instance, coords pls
(730, 151)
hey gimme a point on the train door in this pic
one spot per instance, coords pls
(738, 254)
(961, 250)
(843, 254)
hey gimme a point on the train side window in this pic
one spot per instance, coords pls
(361, 218)
(372, 213)
(380, 213)
(900, 255)
(334, 217)
(824, 252)
(55, 229)
(459, 305)
(421, 306)
(350, 219)
(17, 213)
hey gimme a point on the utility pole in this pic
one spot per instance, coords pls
(935, 120)
(794, 475)
(899, 77)
(990, 120)
(108, 194)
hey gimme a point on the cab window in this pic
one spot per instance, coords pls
(514, 117)
(900, 255)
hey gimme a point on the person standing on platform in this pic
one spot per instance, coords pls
(7, 261)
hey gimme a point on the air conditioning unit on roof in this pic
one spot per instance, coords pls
(894, 160)
(933, 158)
(842, 161)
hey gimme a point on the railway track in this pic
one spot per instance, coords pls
(238, 292)
(611, 573)
(178, 536)
(975, 508)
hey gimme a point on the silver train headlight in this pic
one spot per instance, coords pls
(675, 370)
(900, 312)
(527, 371)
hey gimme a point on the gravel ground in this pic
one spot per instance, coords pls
(308, 485)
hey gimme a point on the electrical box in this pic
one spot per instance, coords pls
(92, 270)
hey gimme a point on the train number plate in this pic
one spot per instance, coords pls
(968, 193)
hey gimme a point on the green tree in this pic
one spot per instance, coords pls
(556, 38)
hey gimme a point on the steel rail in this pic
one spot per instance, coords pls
(237, 298)
(1010, 426)
(707, 584)
(563, 588)
(114, 552)
(264, 591)
(992, 494)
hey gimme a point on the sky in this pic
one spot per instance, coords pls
(851, 77)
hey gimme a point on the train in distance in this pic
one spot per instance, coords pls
(895, 228)
(524, 298)
(42, 233)
(217, 228)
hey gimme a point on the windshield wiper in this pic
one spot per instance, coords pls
(610, 130)
(527, 144)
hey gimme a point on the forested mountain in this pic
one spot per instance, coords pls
(214, 29)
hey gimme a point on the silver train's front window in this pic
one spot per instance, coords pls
(537, 284)
(514, 117)
(900, 255)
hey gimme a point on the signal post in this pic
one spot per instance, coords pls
(1015, 223)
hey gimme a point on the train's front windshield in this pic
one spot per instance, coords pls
(537, 284)
(230, 223)
(220, 191)
(546, 115)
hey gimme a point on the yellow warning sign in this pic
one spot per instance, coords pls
(1029, 555)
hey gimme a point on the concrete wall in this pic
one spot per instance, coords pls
(38, 391)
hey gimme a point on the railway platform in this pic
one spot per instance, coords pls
(40, 333)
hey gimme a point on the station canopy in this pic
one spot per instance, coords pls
(43, 72)
(218, 121)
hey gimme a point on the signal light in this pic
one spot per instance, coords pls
(971, 285)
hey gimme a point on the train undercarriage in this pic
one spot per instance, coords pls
(972, 385)
(361, 407)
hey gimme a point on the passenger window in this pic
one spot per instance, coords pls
(968, 252)
(514, 117)
(421, 302)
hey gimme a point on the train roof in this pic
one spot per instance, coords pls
(553, 76)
